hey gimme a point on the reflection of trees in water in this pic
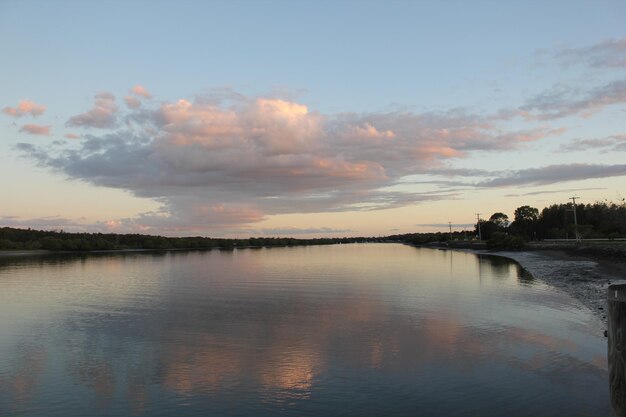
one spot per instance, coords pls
(524, 277)
(498, 266)
(502, 268)
(60, 259)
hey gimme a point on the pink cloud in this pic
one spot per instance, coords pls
(36, 129)
(188, 217)
(533, 135)
(25, 107)
(440, 152)
(367, 131)
(132, 102)
(205, 124)
(141, 91)
(102, 115)
(71, 136)
(272, 126)
(233, 160)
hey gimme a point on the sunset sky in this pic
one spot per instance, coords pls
(306, 118)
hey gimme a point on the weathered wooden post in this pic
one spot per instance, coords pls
(616, 300)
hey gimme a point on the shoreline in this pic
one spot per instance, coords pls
(581, 273)
(584, 278)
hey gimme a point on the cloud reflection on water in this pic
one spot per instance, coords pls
(272, 339)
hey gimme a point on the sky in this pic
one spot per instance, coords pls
(306, 118)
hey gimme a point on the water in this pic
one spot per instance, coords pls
(343, 330)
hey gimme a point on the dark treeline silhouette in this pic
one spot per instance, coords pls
(12, 238)
(599, 220)
(426, 238)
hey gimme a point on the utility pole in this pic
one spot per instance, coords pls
(480, 235)
(450, 224)
(575, 219)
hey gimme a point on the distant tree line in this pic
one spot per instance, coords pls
(12, 238)
(599, 220)
(426, 238)
(596, 220)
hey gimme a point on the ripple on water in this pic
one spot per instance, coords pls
(375, 329)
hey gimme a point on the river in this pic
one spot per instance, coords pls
(341, 330)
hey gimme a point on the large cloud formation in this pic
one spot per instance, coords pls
(231, 160)
(227, 160)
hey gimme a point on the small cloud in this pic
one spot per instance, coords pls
(613, 143)
(43, 130)
(140, 90)
(610, 53)
(132, 102)
(102, 115)
(25, 107)
(460, 172)
(567, 190)
(562, 101)
(72, 136)
(555, 173)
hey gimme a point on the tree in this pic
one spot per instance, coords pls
(526, 222)
(487, 228)
(526, 214)
(500, 219)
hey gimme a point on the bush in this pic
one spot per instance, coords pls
(500, 240)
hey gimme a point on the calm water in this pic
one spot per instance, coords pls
(345, 330)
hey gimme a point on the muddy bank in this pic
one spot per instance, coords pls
(585, 279)
(584, 271)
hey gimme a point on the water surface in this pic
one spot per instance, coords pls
(342, 330)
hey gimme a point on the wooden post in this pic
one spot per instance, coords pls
(616, 300)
